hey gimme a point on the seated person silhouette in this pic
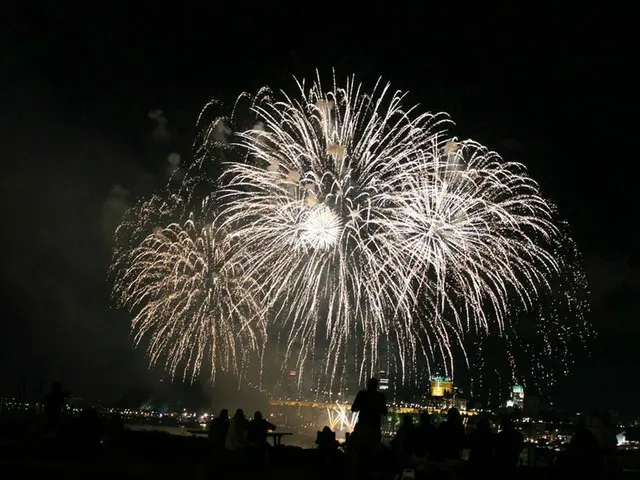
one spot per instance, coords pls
(258, 429)
(326, 440)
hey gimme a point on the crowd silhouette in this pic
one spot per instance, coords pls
(431, 451)
(417, 450)
(244, 440)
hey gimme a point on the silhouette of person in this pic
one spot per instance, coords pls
(328, 452)
(115, 428)
(597, 428)
(371, 406)
(90, 428)
(482, 443)
(583, 453)
(610, 447)
(326, 440)
(258, 429)
(403, 443)
(218, 430)
(601, 428)
(450, 436)
(54, 404)
(425, 435)
(237, 435)
(509, 445)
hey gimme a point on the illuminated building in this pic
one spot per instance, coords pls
(517, 397)
(383, 382)
(440, 386)
(442, 395)
(291, 385)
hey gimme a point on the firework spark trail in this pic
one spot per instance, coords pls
(142, 218)
(193, 303)
(341, 418)
(541, 346)
(560, 318)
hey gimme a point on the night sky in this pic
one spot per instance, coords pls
(552, 89)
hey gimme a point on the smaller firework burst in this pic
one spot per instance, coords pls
(192, 303)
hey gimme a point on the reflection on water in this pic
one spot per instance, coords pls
(296, 440)
(147, 427)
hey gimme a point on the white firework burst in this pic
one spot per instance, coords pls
(351, 224)
(320, 228)
(355, 213)
(476, 236)
(308, 207)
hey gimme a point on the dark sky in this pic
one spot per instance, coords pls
(550, 88)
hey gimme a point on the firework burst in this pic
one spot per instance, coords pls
(308, 206)
(475, 234)
(368, 226)
(192, 303)
(363, 232)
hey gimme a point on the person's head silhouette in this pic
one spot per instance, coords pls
(506, 423)
(453, 416)
(407, 420)
(483, 425)
(425, 418)
(372, 384)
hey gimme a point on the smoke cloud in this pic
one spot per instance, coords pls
(114, 208)
(160, 132)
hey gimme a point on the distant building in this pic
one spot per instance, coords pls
(383, 382)
(440, 386)
(517, 397)
(442, 395)
(291, 384)
(517, 394)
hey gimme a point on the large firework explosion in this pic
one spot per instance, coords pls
(371, 235)
(309, 205)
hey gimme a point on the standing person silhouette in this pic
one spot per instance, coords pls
(236, 438)
(509, 445)
(218, 430)
(371, 406)
(450, 436)
(54, 405)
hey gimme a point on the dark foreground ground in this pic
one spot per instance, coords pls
(153, 455)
